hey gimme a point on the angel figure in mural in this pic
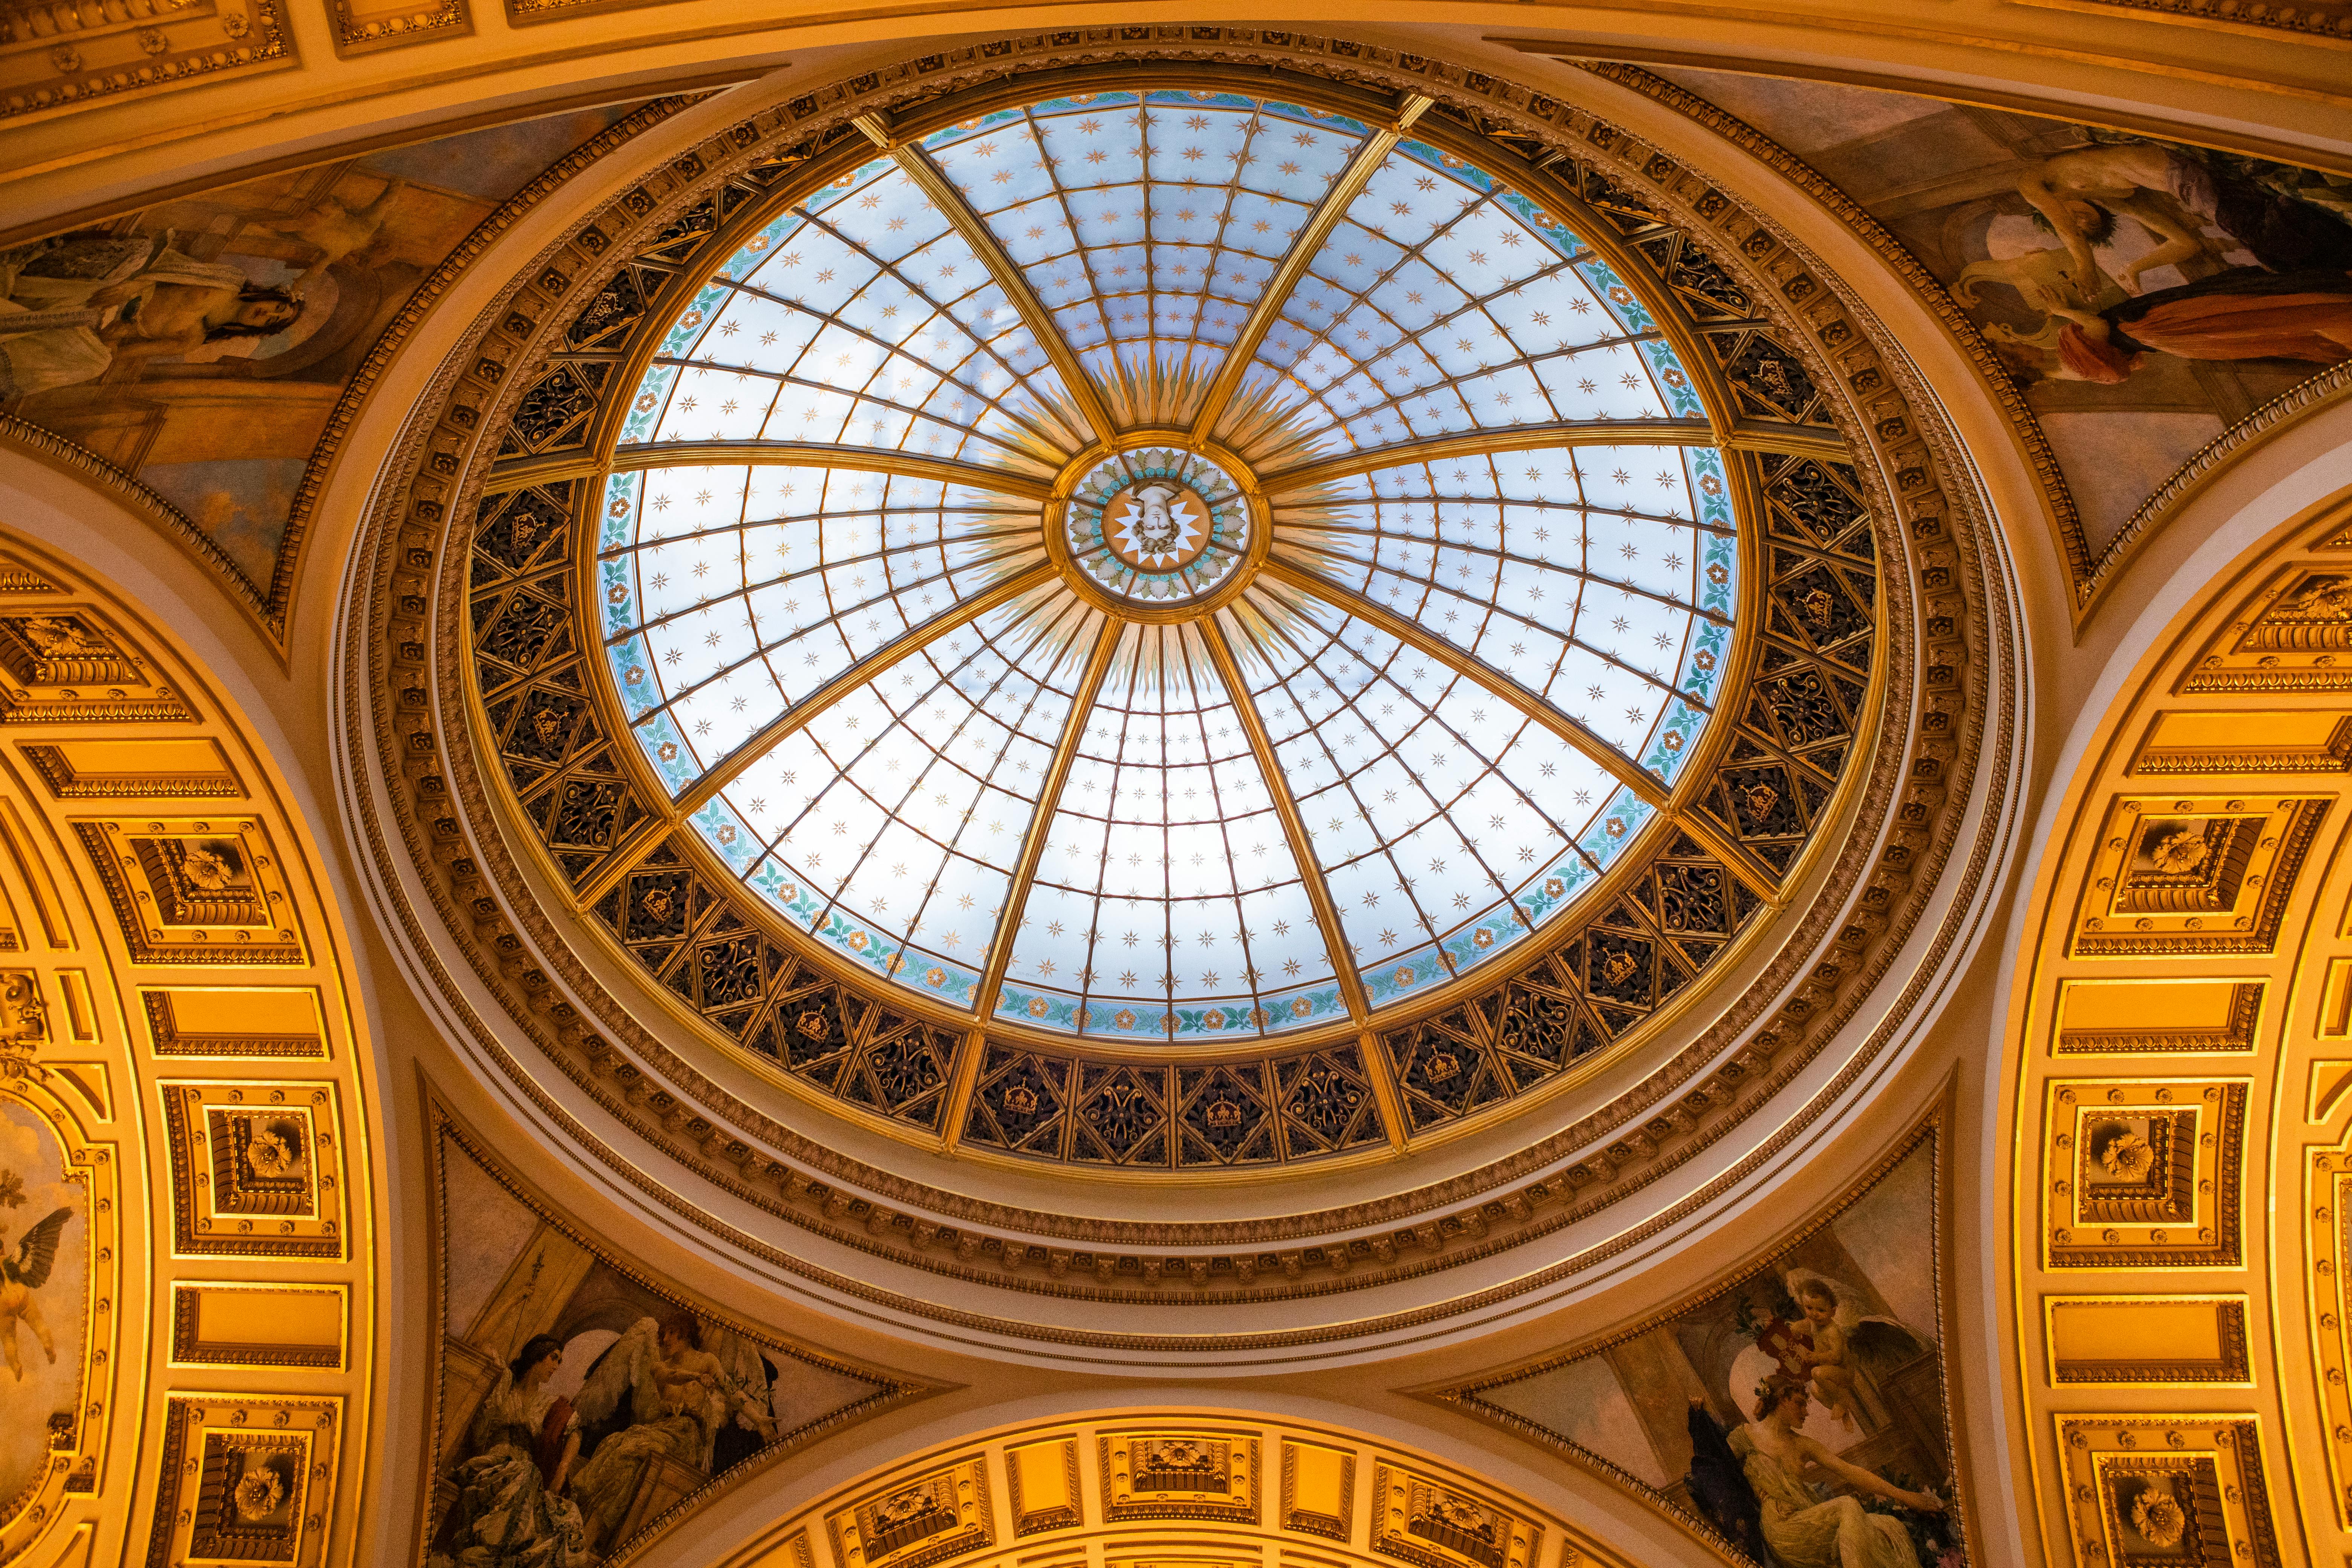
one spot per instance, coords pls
(510, 1511)
(655, 1394)
(24, 1272)
(74, 306)
(339, 228)
(1823, 1352)
(1801, 1529)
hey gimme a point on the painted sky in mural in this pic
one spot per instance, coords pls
(1799, 1412)
(2146, 295)
(202, 343)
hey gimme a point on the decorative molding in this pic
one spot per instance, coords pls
(247, 1478)
(189, 891)
(256, 1170)
(364, 28)
(2132, 1316)
(916, 1523)
(1429, 1523)
(2202, 876)
(1318, 1490)
(1179, 1471)
(2321, 20)
(729, 1145)
(2144, 1174)
(247, 1324)
(2144, 1489)
(95, 56)
(244, 1021)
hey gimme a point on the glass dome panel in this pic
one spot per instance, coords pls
(1421, 696)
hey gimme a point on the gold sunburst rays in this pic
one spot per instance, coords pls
(1312, 515)
(1154, 393)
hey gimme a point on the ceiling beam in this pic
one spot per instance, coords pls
(1298, 258)
(732, 766)
(926, 177)
(1294, 821)
(1041, 823)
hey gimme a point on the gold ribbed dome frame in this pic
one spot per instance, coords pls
(1744, 440)
(900, 140)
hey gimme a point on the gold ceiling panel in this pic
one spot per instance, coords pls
(2150, 1489)
(143, 942)
(1180, 1473)
(1351, 1501)
(2144, 1174)
(2205, 874)
(2182, 1056)
(2167, 1340)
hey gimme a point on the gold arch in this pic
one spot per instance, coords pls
(1195, 1488)
(2183, 1130)
(177, 1009)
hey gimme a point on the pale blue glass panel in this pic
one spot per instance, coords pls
(1166, 894)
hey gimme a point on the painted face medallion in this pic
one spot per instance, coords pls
(1160, 524)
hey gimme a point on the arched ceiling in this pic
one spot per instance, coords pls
(780, 585)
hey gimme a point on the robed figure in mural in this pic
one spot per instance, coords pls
(510, 1511)
(658, 1393)
(73, 307)
(1770, 1495)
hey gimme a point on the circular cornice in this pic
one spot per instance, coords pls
(1941, 683)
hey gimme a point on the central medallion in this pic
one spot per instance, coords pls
(1159, 524)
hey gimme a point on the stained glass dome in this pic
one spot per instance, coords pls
(1167, 565)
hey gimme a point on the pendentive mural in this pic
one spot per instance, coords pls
(202, 344)
(1797, 1411)
(2144, 294)
(44, 1305)
(584, 1406)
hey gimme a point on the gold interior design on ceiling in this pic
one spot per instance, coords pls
(1345, 429)
(186, 1198)
(2184, 1017)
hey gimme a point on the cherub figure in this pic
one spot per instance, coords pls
(338, 228)
(1823, 1349)
(20, 1276)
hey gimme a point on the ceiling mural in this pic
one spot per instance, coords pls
(1821, 1367)
(584, 1406)
(2144, 296)
(1160, 793)
(44, 1236)
(210, 347)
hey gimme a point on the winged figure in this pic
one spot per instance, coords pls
(22, 1274)
(655, 1394)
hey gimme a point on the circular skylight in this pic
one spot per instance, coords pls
(1167, 565)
